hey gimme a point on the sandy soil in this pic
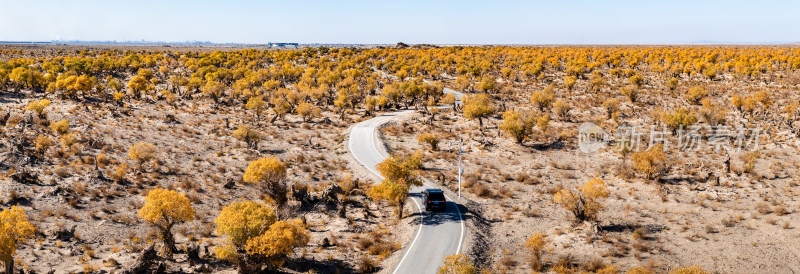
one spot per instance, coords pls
(739, 223)
(88, 222)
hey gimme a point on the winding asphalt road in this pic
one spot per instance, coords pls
(440, 234)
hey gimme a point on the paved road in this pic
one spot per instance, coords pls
(440, 233)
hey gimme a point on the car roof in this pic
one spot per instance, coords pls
(434, 190)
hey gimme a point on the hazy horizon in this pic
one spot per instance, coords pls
(412, 22)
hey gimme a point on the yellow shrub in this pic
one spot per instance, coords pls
(457, 264)
(608, 270)
(597, 81)
(681, 117)
(119, 96)
(569, 81)
(517, 124)
(68, 139)
(543, 122)
(737, 101)
(242, 221)
(695, 269)
(270, 173)
(586, 202)
(142, 152)
(543, 99)
(611, 105)
(672, 83)
(562, 108)
(712, 114)
(636, 80)
(696, 94)
(430, 139)
(308, 111)
(14, 230)
(639, 270)
(652, 162)
(478, 106)
(266, 169)
(227, 252)
(279, 241)
(536, 243)
(39, 106)
(165, 208)
(763, 97)
(711, 73)
(247, 135)
(120, 172)
(255, 103)
(60, 127)
(631, 92)
(43, 143)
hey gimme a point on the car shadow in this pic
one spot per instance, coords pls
(434, 218)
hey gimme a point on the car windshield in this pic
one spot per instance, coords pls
(435, 196)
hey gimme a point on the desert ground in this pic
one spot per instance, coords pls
(197, 121)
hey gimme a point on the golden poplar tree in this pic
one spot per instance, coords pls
(164, 209)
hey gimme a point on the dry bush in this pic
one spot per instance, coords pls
(367, 265)
(631, 92)
(597, 266)
(749, 160)
(712, 113)
(60, 127)
(562, 108)
(763, 208)
(482, 190)
(679, 118)
(430, 139)
(142, 152)
(695, 94)
(611, 105)
(247, 135)
(780, 210)
(457, 264)
(543, 99)
(535, 245)
(652, 163)
(640, 270)
(672, 83)
(62, 172)
(517, 124)
(636, 80)
(586, 202)
(507, 262)
(639, 234)
(695, 269)
(42, 144)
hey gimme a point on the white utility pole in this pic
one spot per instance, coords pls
(460, 170)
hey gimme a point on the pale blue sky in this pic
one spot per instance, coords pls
(410, 21)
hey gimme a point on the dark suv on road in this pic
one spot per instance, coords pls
(434, 199)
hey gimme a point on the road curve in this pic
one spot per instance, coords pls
(440, 233)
